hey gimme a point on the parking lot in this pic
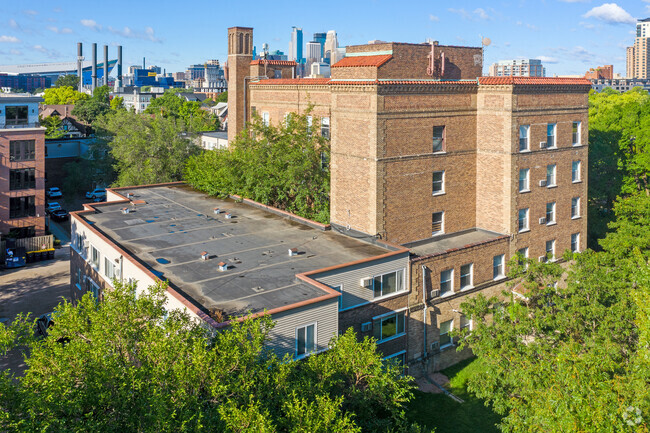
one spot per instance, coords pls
(36, 289)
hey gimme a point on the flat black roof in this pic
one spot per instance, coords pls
(442, 243)
(175, 224)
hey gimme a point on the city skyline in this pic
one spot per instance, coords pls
(598, 32)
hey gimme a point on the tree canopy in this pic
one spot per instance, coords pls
(172, 106)
(63, 95)
(52, 126)
(88, 110)
(67, 81)
(283, 166)
(128, 364)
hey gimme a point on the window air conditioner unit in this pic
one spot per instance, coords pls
(542, 259)
(365, 327)
(86, 244)
(434, 293)
(542, 182)
(542, 220)
(366, 282)
(435, 347)
(542, 145)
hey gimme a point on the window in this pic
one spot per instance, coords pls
(94, 256)
(109, 268)
(24, 178)
(575, 171)
(305, 340)
(465, 322)
(325, 127)
(575, 207)
(20, 207)
(437, 223)
(265, 118)
(575, 243)
(22, 150)
(386, 284)
(576, 134)
(339, 289)
(446, 281)
(550, 135)
(309, 123)
(550, 175)
(466, 276)
(79, 278)
(445, 329)
(550, 213)
(93, 288)
(523, 253)
(438, 138)
(524, 138)
(522, 221)
(550, 249)
(524, 179)
(497, 266)
(438, 182)
(398, 359)
(17, 115)
(388, 326)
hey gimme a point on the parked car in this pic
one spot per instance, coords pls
(97, 193)
(52, 206)
(59, 215)
(53, 192)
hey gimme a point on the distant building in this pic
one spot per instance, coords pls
(518, 68)
(295, 46)
(178, 76)
(600, 73)
(70, 125)
(629, 62)
(22, 166)
(313, 51)
(330, 48)
(33, 73)
(213, 140)
(638, 56)
(620, 85)
(320, 70)
(28, 83)
(135, 99)
(321, 38)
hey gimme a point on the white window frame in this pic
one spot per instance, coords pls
(502, 267)
(468, 322)
(441, 182)
(443, 143)
(401, 353)
(265, 118)
(470, 275)
(526, 220)
(578, 133)
(449, 272)
(108, 263)
(93, 287)
(526, 179)
(325, 126)
(552, 213)
(577, 242)
(551, 175)
(310, 121)
(575, 173)
(451, 328)
(397, 271)
(442, 224)
(384, 316)
(524, 253)
(91, 258)
(526, 138)
(575, 208)
(315, 349)
(554, 135)
(552, 250)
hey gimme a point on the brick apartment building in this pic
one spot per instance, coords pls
(22, 169)
(438, 177)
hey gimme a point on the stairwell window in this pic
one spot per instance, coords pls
(576, 133)
(438, 182)
(438, 139)
(522, 222)
(524, 138)
(445, 329)
(575, 207)
(575, 243)
(524, 180)
(467, 276)
(325, 127)
(550, 213)
(551, 129)
(550, 175)
(498, 270)
(446, 281)
(575, 171)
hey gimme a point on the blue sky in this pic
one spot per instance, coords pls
(568, 35)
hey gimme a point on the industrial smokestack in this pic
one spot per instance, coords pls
(119, 66)
(80, 57)
(106, 65)
(94, 69)
(144, 64)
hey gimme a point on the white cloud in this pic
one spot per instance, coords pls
(586, 25)
(13, 24)
(433, 18)
(611, 13)
(127, 32)
(481, 13)
(63, 31)
(91, 24)
(10, 39)
(57, 10)
(478, 13)
(547, 59)
(462, 12)
(52, 54)
(30, 12)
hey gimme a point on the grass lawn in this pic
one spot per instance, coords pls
(445, 415)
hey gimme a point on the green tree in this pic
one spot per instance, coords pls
(63, 95)
(282, 166)
(89, 110)
(146, 149)
(190, 113)
(128, 364)
(52, 126)
(223, 97)
(67, 81)
(117, 103)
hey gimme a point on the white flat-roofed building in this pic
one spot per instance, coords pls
(518, 68)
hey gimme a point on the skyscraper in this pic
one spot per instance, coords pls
(313, 51)
(321, 38)
(331, 44)
(638, 56)
(295, 46)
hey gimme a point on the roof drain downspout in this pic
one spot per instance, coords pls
(424, 320)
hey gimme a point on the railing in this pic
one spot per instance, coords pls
(20, 125)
